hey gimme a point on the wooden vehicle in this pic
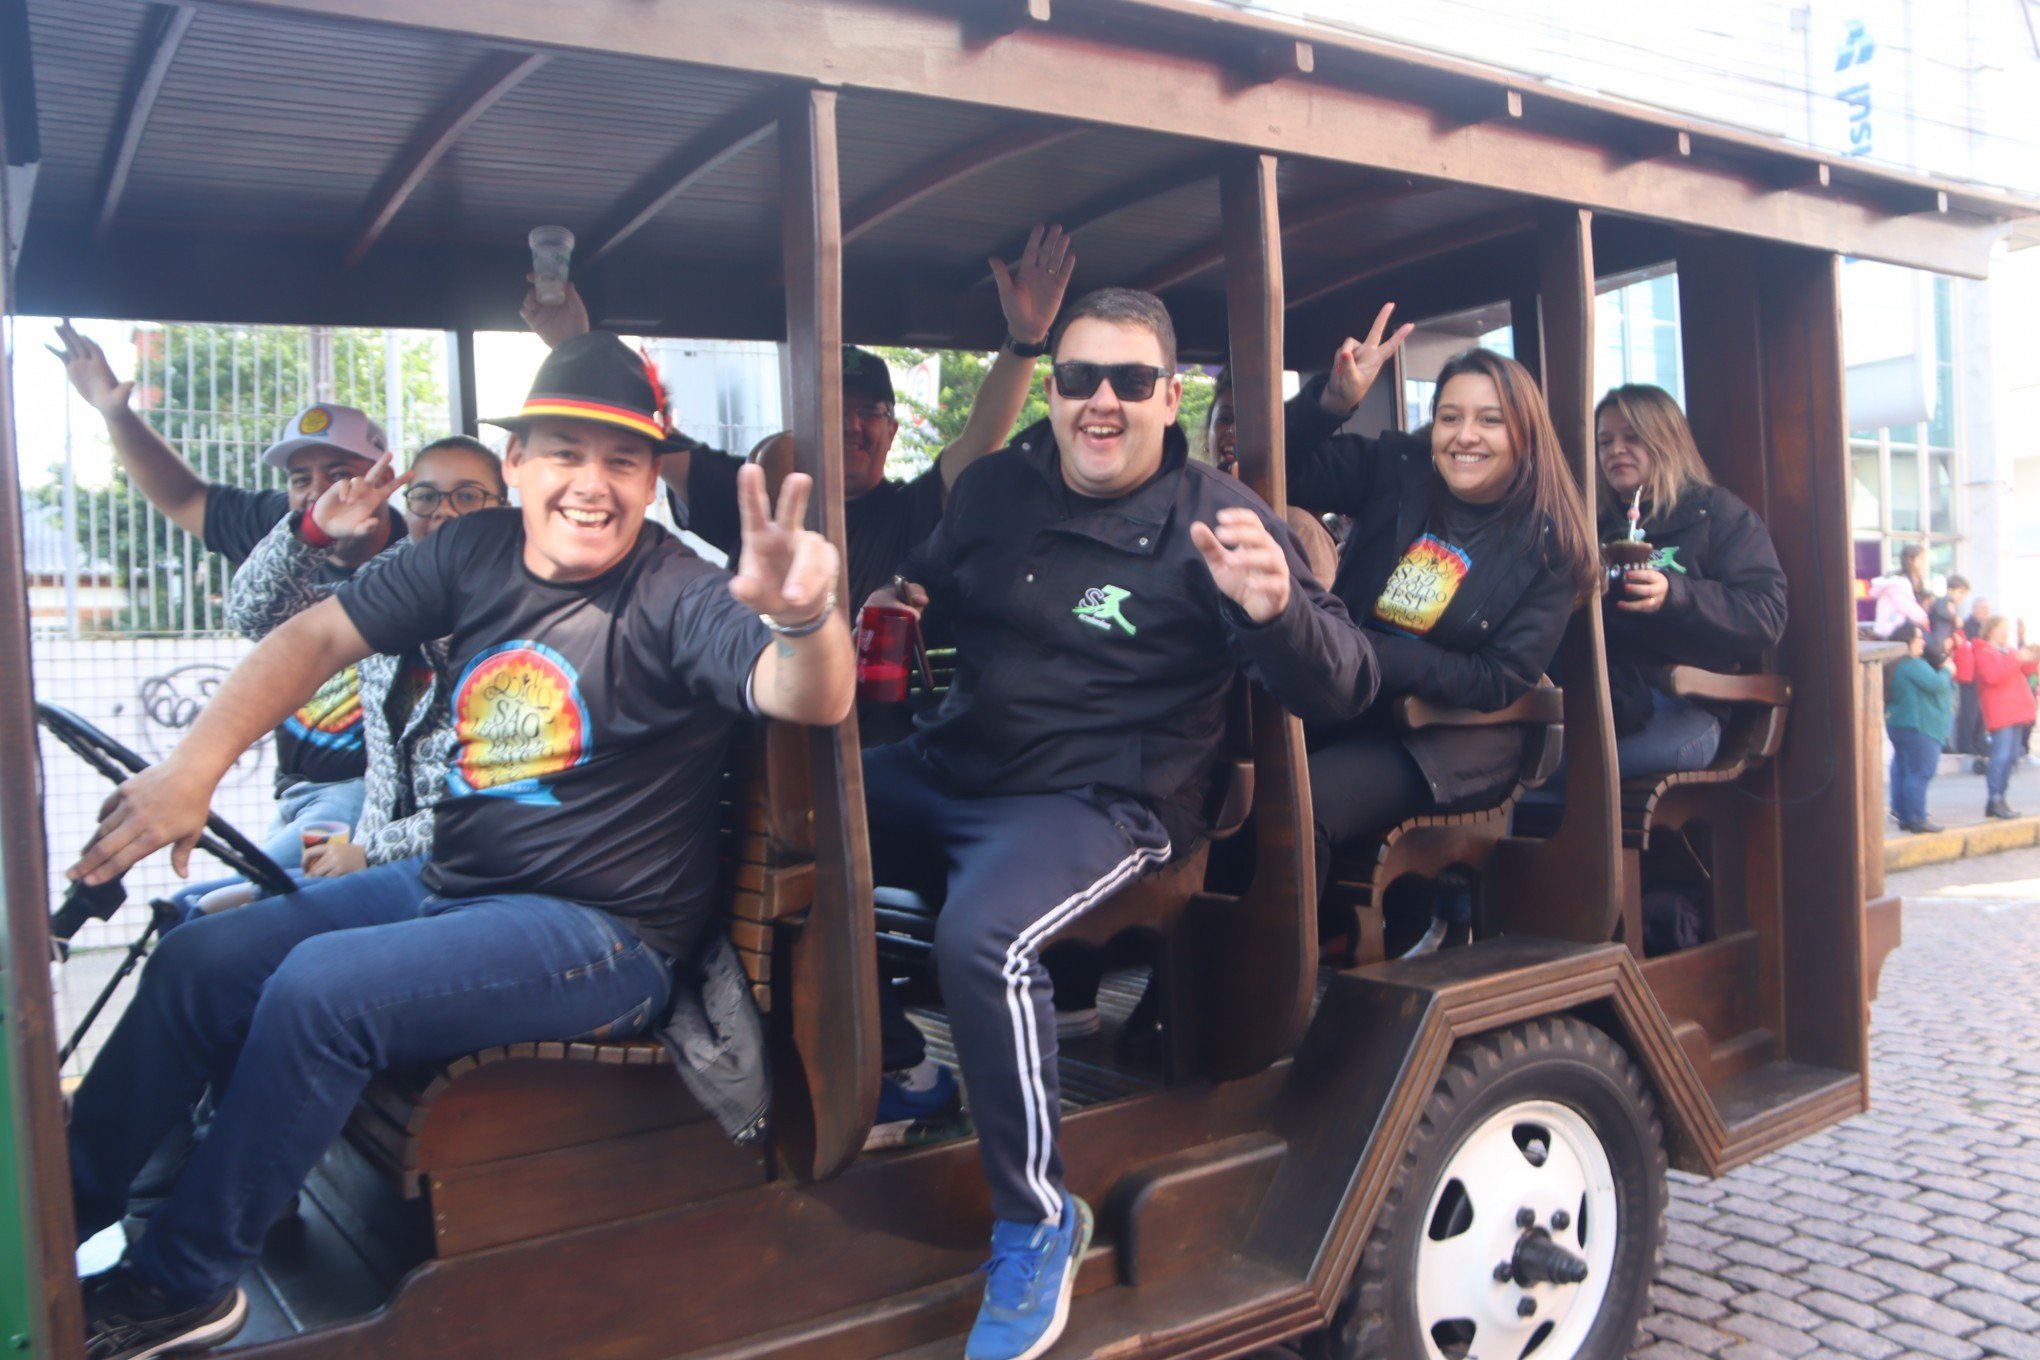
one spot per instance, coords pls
(1462, 1154)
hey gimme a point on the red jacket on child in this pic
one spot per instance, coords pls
(1999, 675)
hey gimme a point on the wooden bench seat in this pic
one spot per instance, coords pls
(1751, 735)
(520, 1141)
(1364, 870)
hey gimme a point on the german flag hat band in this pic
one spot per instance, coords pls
(596, 377)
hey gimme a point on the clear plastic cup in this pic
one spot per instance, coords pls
(315, 834)
(883, 634)
(552, 252)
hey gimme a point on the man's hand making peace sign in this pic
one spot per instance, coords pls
(787, 574)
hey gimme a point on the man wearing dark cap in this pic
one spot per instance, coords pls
(882, 518)
(599, 671)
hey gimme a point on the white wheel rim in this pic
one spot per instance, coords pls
(1487, 1182)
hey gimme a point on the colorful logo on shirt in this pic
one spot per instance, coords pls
(519, 718)
(332, 718)
(1100, 608)
(1422, 584)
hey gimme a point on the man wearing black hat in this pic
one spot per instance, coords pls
(882, 518)
(599, 670)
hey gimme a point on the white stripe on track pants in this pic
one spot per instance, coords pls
(1019, 867)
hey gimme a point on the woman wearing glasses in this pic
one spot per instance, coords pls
(403, 699)
(1470, 548)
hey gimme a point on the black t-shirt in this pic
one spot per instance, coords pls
(1427, 579)
(322, 742)
(881, 527)
(592, 719)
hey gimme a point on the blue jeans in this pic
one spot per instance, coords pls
(339, 801)
(286, 1007)
(1678, 736)
(1915, 757)
(2004, 753)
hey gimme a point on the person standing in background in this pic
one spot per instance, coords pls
(1919, 709)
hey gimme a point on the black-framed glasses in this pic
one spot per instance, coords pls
(1130, 382)
(425, 500)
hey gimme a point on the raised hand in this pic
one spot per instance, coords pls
(782, 569)
(1246, 562)
(1031, 288)
(163, 805)
(85, 365)
(556, 321)
(355, 511)
(1358, 362)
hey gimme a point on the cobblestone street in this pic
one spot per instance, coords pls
(1913, 1230)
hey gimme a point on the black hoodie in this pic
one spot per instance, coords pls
(1094, 650)
(1724, 598)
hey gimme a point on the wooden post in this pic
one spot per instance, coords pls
(460, 384)
(1260, 954)
(827, 1076)
(1570, 887)
(1820, 774)
(1726, 376)
(32, 1151)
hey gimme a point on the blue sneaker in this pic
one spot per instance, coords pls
(1033, 1276)
(908, 1118)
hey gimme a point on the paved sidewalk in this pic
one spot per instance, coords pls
(1913, 1230)
(1955, 800)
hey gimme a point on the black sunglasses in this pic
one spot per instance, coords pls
(1131, 382)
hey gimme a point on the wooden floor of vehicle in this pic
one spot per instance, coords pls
(354, 1239)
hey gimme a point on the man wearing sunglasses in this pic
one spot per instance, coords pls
(1104, 590)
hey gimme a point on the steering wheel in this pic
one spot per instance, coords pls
(117, 762)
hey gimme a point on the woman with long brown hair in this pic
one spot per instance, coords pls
(1470, 549)
(1710, 595)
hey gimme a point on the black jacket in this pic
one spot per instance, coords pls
(1094, 651)
(1724, 598)
(1494, 640)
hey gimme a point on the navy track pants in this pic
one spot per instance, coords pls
(1017, 867)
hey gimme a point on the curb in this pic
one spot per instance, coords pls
(1960, 842)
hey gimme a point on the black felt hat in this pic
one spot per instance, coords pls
(597, 377)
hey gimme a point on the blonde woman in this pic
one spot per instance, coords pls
(1712, 595)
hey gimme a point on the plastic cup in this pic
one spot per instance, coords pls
(315, 834)
(552, 251)
(883, 635)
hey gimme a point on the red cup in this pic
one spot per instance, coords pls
(884, 633)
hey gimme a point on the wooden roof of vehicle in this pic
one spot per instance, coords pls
(379, 161)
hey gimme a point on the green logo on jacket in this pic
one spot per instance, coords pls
(1100, 608)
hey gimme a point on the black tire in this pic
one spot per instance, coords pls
(1560, 1060)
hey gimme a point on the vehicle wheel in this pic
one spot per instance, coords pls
(1540, 1151)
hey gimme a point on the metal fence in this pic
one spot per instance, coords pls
(127, 608)
(109, 564)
